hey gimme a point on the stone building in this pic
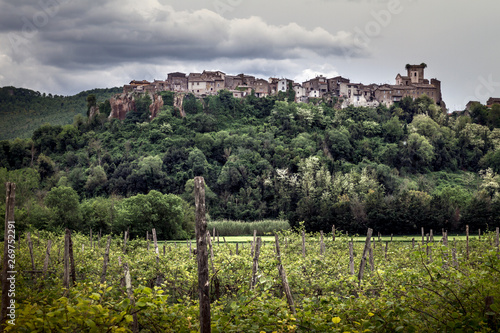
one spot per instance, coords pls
(317, 86)
(177, 81)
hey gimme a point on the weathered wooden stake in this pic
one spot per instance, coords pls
(66, 275)
(155, 240)
(255, 266)
(106, 260)
(284, 280)
(8, 265)
(423, 243)
(454, 257)
(303, 244)
(253, 242)
(321, 244)
(201, 254)
(385, 250)
(351, 258)
(363, 256)
(432, 236)
(30, 246)
(333, 232)
(125, 242)
(497, 239)
(71, 259)
(372, 260)
(413, 243)
(47, 258)
(130, 294)
(467, 241)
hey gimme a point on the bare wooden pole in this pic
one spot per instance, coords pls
(322, 244)
(255, 266)
(253, 242)
(351, 259)
(201, 254)
(333, 232)
(467, 240)
(106, 260)
(125, 235)
(282, 273)
(155, 242)
(30, 247)
(130, 294)
(303, 244)
(372, 259)
(47, 258)
(497, 240)
(66, 261)
(365, 253)
(71, 259)
(8, 265)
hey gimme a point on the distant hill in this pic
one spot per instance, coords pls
(23, 110)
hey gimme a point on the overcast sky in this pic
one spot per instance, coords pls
(66, 46)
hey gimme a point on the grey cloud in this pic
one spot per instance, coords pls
(110, 32)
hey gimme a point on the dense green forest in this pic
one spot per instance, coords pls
(392, 169)
(22, 111)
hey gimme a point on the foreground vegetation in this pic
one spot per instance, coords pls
(428, 288)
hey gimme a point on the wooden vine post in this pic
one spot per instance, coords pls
(467, 240)
(47, 258)
(365, 253)
(106, 260)
(255, 266)
(201, 255)
(321, 244)
(351, 258)
(130, 294)
(66, 260)
(8, 269)
(30, 247)
(497, 240)
(303, 244)
(282, 273)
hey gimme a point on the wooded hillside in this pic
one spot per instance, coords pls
(393, 170)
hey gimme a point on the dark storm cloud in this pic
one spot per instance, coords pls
(70, 34)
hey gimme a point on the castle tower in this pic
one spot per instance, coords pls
(416, 72)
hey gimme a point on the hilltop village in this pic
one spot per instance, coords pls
(413, 84)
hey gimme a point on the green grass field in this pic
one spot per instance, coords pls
(383, 239)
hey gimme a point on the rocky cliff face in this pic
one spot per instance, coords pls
(94, 110)
(156, 105)
(121, 105)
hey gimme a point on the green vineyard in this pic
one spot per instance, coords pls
(433, 284)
